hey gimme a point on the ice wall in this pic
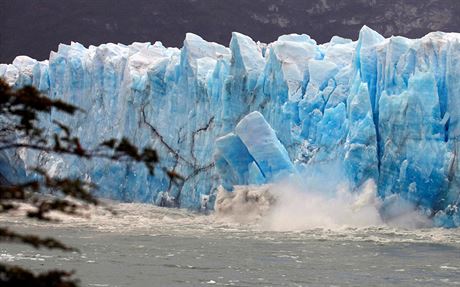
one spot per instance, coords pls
(387, 109)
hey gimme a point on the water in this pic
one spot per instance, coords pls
(145, 245)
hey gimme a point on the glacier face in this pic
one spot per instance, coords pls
(386, 109)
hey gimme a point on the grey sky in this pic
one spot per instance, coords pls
(35, 27)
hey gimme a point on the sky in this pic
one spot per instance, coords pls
(36, 27)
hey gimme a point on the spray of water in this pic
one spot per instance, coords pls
(317, 199)
(296, 209)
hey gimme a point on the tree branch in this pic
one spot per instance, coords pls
(35, 241)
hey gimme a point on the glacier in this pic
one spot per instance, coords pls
(385, 109)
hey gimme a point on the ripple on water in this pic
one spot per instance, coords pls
(155, 221)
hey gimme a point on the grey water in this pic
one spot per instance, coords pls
(145, 245)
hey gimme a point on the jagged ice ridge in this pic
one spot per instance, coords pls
(385, 109)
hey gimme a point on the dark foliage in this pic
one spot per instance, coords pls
(37, 242)
(20, 111)
(16, 276)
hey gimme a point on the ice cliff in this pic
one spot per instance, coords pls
(385, 109)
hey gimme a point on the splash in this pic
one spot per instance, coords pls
(318, 200)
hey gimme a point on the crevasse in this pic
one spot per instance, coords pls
(386, 109)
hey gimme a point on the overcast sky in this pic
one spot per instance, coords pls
(35, 27)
